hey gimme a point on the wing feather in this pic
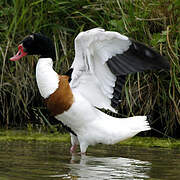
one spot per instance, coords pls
(107, 57)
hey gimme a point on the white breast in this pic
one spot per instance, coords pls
(47, 79)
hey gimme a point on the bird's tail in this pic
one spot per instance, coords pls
(141, 123)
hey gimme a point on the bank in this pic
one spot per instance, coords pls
(44, 136)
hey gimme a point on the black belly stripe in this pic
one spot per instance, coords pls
(68, 129)
(53, 120)
(109, 112)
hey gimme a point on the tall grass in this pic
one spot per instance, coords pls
(156, 23)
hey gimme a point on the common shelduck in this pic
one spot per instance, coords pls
(102, 61)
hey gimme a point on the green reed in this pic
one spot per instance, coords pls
(156, 23)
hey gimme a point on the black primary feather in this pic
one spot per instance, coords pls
(137, 58)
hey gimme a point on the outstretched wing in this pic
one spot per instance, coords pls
(102, 61)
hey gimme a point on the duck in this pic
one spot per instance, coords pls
(94, 81)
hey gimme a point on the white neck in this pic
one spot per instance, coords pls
(47, 79)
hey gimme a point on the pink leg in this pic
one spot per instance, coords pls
(73, 149)
(74, 142)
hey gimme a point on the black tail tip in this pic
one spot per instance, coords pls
(149, 119)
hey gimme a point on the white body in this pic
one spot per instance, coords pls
(92, 85)
(93, 126)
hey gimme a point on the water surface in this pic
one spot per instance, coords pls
(52, 161)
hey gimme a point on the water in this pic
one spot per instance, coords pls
(52, 161)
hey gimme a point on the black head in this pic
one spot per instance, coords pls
(36, 44)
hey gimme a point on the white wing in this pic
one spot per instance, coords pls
(91, 75)
(103, 59)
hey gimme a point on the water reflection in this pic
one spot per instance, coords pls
(52, 161)
(88, 167)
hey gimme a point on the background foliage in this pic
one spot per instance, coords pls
(156, 23)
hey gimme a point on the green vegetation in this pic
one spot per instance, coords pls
(22, 135)
(152, 142)
(28, 136)
(155, 23)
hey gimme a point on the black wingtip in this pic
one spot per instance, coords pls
(166, 63)
(153, 58)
